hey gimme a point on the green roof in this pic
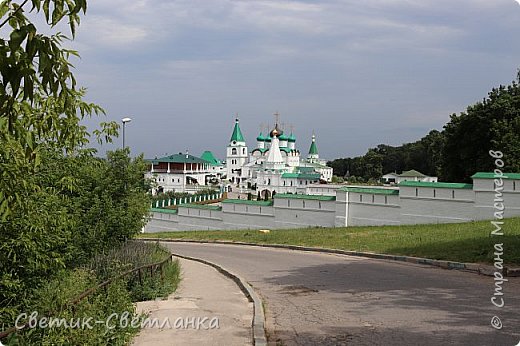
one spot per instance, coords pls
(283, 137)
(201, 206)
(163, 210)
(306, 176)
(208, 156)
(245, 201)
(260, 137)
(313, 150)
(435, 185)
(180, 158)
(313, 197)
(237, 134)
(292, 138)
(370, 190)
(489, 175)
(412, 173)
(262, 150)
(287, 150)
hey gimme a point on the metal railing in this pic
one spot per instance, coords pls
(152, 267)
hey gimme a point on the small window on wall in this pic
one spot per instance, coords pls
(303, 204)
(319, 204)
(452, 193)
(514, 185)
(361, 198)
(386, 199)
(234, 151)
(373, 198)
(434, 193)
(416, 192)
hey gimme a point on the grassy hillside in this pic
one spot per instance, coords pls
(464, 242)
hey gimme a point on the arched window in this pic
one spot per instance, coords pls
(234, 151)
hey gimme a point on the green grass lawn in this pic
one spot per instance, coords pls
(463, 242)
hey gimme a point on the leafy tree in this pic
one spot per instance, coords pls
(337, 180)
(39, 100)
(373, 165)
(43, 160)
(424, 155)
(492, 124)
(109, 202)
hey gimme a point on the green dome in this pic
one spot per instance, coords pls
(260, 137)
(292, 138)
(237, 134)
(283, 137)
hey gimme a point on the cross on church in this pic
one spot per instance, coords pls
(277, 117)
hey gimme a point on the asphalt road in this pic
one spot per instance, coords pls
(322, 299)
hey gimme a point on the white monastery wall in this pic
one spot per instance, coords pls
(353, 206)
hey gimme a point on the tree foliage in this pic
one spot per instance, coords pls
(59, 204)
(39, 101)
(492, 124)
(85, 206)
(423, 155)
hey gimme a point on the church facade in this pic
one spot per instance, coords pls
(275, 165)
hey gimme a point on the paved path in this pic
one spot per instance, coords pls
(323, 299)
(203, 292)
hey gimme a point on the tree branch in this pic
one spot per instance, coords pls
(13, 14)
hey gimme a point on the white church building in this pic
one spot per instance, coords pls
(275, 165)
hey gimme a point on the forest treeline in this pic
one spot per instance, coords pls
(457, 151)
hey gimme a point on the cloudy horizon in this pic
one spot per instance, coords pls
(357, 74)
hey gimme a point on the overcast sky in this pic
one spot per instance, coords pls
(358, 73)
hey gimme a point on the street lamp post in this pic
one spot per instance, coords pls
(124, 121)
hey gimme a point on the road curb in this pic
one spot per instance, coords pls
(481, 269)
(258, 325)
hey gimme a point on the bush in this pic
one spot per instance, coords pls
(52, 299)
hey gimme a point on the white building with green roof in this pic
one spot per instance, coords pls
(184, 172)
(237, 156)
(275, 165)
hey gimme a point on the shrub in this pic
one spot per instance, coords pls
(53, 298)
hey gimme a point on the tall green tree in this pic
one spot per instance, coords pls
(41, 108)
(492, 124)
(39, 100)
